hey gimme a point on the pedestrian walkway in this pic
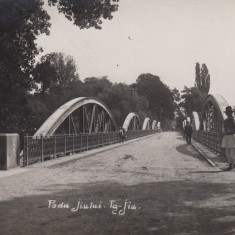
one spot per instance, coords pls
(215, 159)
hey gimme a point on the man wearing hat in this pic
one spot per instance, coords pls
(228, 140)
(188, 130)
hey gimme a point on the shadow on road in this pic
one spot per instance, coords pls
(188, 150)
(174, 207)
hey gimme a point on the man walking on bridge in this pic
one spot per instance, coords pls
(188, 132)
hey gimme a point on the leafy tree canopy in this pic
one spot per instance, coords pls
(159, 96)
(21, 21)
(55, 70)
(86, 13)
(202, 78)
(95, 86)
(192, 100)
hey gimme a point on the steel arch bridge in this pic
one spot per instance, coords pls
(210, 120)
(79, 125)
(213, 113)
(212, 117)
(195, 121)
(80, 115)
(132, 122)
(88, 115)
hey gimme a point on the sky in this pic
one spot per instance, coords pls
(162, 37)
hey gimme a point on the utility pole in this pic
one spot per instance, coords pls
(131, 91)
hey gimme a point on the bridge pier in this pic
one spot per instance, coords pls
(9, 151)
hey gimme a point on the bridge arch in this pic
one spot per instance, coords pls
(158, 125)
(132, 122)
(195, 121)
(154, 125)
(83, 114)
(213, 113)
(146, 124)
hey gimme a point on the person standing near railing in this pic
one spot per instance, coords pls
(122, 134)
(228, 141)
(188, 130)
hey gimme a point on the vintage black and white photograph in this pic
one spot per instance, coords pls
(117, 117)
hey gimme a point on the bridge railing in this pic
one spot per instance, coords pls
(45, 148)
(212, 140)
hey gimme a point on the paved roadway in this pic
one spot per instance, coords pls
(166, 185)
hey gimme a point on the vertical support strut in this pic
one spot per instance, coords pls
(92, 119)
(74, 127)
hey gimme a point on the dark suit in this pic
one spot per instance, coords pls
(188, 130)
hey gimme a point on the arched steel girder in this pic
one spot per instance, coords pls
(154, 125)
(132, 122)
(146, 124)
(213, 113)
(90, 115)
(195, 121)
(158, 125)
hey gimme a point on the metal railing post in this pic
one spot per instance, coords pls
(27, 152)
(65, 142)
(213, 140)
(42, 149)
(54, 155)
(87, 141)
(207, 139)
(73, 145)
(81, 142)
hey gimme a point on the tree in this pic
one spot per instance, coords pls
(86, 13)
(95, 87)
(205, 77)
(54, 71)
(57, 82)
(176, 95)
(202, 78)
(115, 96)
(197, 76)
(159, 96)
(119, 101)
(192, 100)
(21, 21)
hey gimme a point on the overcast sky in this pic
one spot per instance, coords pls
(167, 38)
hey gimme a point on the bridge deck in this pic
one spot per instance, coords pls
(174, 189)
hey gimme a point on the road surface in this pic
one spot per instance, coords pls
(156, 185)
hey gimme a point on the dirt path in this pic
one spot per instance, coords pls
(165, 184)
